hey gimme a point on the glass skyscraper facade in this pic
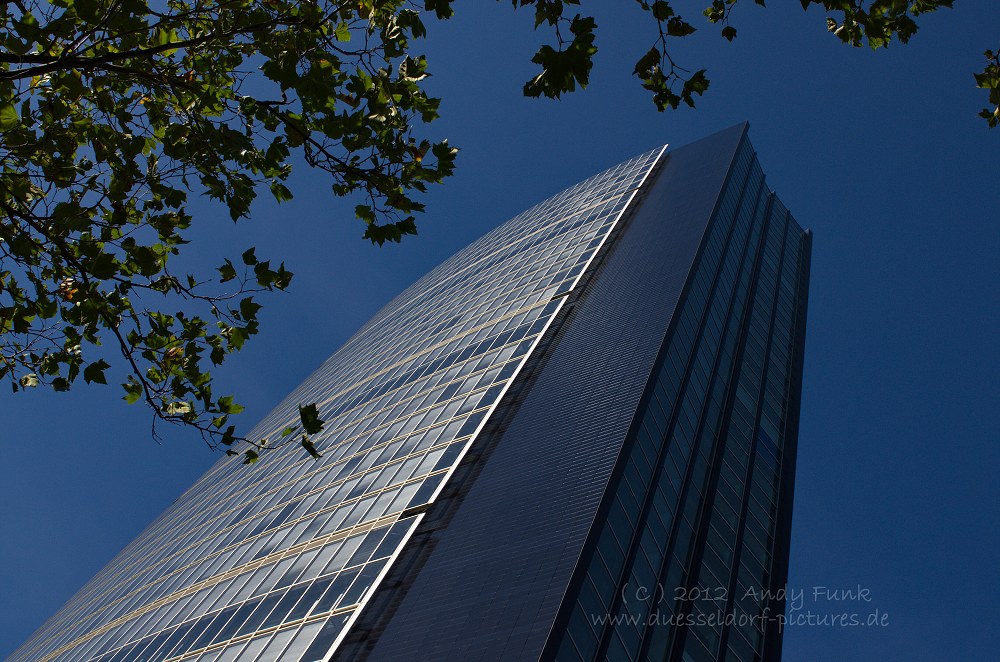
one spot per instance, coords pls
(573, 440)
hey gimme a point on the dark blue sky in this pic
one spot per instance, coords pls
(880, 154)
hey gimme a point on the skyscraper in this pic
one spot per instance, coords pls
(573, 440)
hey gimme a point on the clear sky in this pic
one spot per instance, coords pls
(880, 154)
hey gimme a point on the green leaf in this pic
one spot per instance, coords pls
(9, 118)
(280, 192)
(678, 27)
(645, 64)
(365, 213)
(308, 445)
(662, 10)
(442, 8)
(229, 436)
(94, 373)
(248, 309)
(133, 390)
(309, 416)
(227, 406)
(103, 266)
(227, 272)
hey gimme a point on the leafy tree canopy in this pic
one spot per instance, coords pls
(113, 113)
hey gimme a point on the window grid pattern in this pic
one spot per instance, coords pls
(274, 561)
(723, 383)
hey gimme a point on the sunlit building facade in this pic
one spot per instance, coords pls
(552, 446)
